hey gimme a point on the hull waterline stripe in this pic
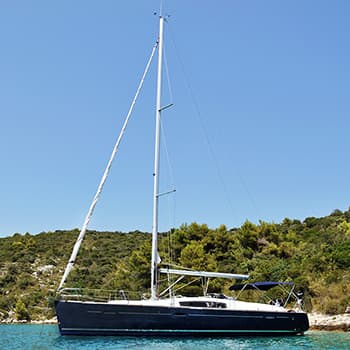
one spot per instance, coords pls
(178, 330)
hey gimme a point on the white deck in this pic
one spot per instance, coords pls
(231, 304)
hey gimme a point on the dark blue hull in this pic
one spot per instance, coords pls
(82, 318)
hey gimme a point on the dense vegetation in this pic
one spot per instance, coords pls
(315, 254)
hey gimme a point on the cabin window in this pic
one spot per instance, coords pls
(209, 304)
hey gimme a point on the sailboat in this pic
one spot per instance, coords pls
(81, 313)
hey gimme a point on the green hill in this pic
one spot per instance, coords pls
(314, 253)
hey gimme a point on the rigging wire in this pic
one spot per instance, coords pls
(170, 168)
(207, 139)
(168, 75)
(105, 174)
(171, 206)
(171, 175)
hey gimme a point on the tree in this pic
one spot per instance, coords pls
(193, 256)
(21, 311)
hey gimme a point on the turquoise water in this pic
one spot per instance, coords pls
(44, 337)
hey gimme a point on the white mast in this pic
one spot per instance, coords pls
(154, 261)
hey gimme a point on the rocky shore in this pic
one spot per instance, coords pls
(321, 322)
(11, 321)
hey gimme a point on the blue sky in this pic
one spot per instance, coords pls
(259, 129)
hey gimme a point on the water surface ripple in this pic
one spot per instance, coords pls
(45, 337)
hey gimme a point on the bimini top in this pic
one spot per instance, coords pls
(259, 285)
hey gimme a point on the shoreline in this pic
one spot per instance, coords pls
(318, 322)
(322, 322)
